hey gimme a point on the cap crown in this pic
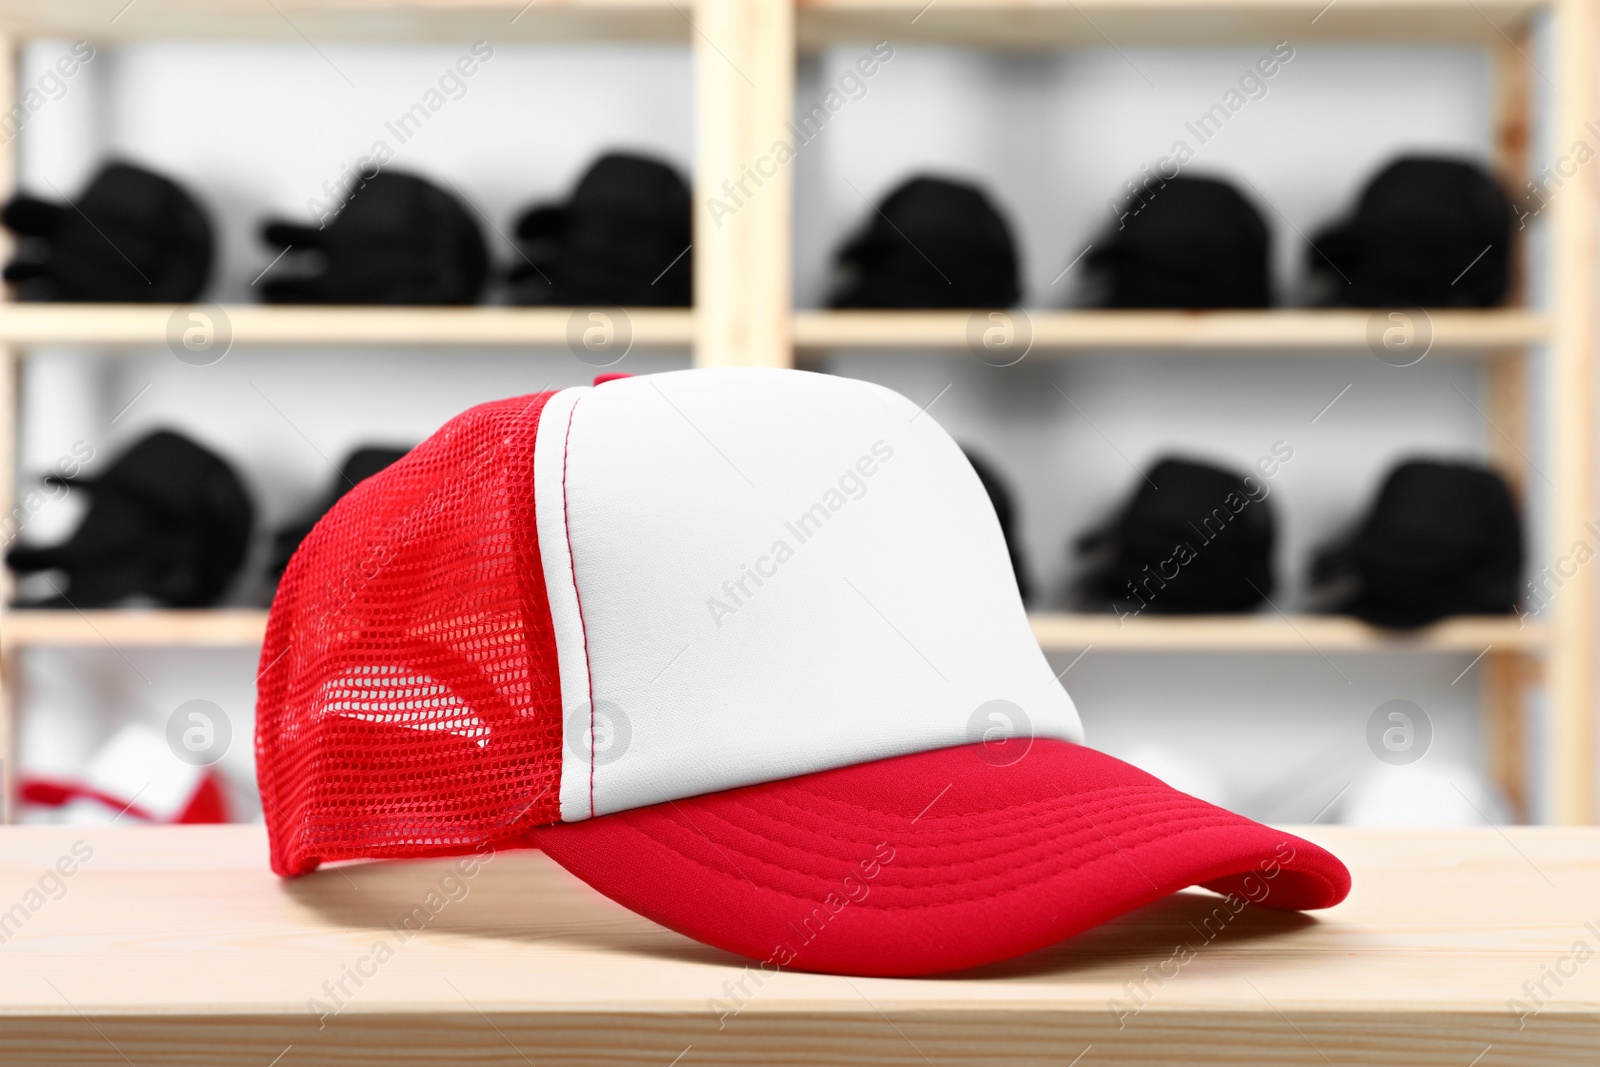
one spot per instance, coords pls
(605, 598)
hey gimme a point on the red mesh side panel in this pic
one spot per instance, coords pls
(409, 699)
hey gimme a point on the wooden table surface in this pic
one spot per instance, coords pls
(178, 946)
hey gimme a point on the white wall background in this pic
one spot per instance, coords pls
(255, 130)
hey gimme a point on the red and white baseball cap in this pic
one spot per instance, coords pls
(741, 649)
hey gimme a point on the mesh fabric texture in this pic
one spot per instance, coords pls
(409, 700)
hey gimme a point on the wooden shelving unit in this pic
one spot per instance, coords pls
(1560, 649)
(745, 53)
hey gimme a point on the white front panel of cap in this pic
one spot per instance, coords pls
(776, 573)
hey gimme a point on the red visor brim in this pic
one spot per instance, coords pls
(933, 862)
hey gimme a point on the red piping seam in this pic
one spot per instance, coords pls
(566, 524)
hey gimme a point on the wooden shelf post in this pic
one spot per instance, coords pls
(744, 75)
(1506, 672)
(10, 430)
(1505, 725)
(10, 708)
(1570, 669)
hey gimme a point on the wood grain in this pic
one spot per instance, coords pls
(1054, 24)
(1015, 24)
(743, 218)
(176, 945)
(1275, 633)
(1243, 633)
(112, 628)
(1271, 333)
(1504, 683)
(126, 326)
(1570, 417)
(358, 20)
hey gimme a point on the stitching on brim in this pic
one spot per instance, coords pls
(1093, 832)
(1108, 854)
(1118, 798)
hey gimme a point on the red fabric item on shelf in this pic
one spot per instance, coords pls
(58, 792)
(208, 803)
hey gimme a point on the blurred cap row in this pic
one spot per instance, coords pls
(1425, 231)
(171, 522)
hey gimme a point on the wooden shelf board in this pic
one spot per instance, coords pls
(1056, 632)
(146, 325)
(359, 20)
(1054, 332)
(1026, 24)
(1276, 633)
(175, 942)
(220, 628)
(1010, 24)
(1054, 24)
(1263, 332)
